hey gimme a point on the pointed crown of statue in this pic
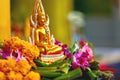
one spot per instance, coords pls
(38, 14)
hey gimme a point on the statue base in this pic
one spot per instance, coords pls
(50, 58)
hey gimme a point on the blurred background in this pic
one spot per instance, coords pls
(94, 20)
(97, 21)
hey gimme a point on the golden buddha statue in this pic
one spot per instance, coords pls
(40, 33)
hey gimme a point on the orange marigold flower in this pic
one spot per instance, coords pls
(2, 76)
(11, 62)
(7, 65)
(14, 76)
(3, 65)
(22, 66)
(15, 44)
(32, 76)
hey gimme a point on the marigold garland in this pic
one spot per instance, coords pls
(14, 44)
(17, 59)
(10, 69)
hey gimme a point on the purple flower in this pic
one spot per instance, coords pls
(88, 52)
(64, 48)
(78, 53)
(6, 55)
(79, 60)
(82, 56)
(17, 55)
(58, 43)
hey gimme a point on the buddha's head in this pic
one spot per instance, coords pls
(41, 18)
(38, 14)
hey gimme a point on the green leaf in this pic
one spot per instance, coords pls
(65, 69)
(75, 47)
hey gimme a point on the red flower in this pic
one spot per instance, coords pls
(82, 42)
(105, 67)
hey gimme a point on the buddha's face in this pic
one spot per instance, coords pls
(41, 19)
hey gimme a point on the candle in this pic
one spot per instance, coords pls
(4, 19)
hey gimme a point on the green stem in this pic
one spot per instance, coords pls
(71, 75)
(92, 75)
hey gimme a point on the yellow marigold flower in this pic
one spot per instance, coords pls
(22, 66)
(14, 76)
(28, 50)
(2, 76)
(32, 76)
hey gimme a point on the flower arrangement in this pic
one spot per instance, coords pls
(82, 56)
(20, 61)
